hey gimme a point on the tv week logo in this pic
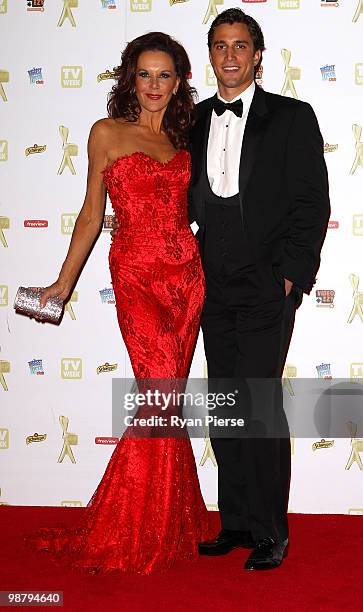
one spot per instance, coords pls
(71, 76)
(68, 221)
(71, 368)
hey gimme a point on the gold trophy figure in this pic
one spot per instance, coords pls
(212, 9)
(69, 150)
(290, 371)
(357, 131)
(69, 439)
(67, 13)
(4, 78)
(68, 307)
(357, 447)
(291, 75)
(357, 297)
(4, 369)
(4, 224)
(359, 11)
(208, 453)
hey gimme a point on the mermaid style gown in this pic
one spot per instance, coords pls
(148, 511)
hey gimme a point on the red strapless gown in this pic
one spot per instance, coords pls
(148, 511)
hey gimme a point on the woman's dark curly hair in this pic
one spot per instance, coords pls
(122, 101)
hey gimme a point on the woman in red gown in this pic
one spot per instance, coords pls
(147, 511)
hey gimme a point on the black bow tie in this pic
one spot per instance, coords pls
(236, 107)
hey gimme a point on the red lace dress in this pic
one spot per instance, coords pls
(147, 512)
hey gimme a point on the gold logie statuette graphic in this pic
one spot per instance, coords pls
(356, 371)
(3, 503)
(3, 7)
(358, 74)
(68, 307)
(357, 299)
(69, 439)
(4, 438)
(212, 9)
(35, 149)
(210, 77)
(106, 367)
(358, 161)
(357, 225)
(357, 447)
(322, 444)
(140, 6)
(172, 2)
(69, 151)
(4, 369)
(4, 224)
(290, 371)
(4, 295)
(4, 78)
(208, 453)
(36, 438)
(104, 76)
(68, 5)
(359, 11)
(291, 75)
(3, 150)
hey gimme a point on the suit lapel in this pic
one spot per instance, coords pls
(200, 138)
(254, 130)
(199, 149)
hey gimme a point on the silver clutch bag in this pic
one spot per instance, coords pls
(27, 302)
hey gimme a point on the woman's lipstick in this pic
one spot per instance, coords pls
(154, 96)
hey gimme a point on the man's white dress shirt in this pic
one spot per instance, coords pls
(224, 146)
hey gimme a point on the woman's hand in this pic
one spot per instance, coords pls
(58, 289)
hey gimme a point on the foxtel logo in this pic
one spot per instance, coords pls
(71, 368)
(35, 223)
(71, 76)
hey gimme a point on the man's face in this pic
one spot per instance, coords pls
(233, 58)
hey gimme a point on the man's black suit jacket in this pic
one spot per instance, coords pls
(283, 184)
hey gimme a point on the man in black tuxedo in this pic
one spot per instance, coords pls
(259, 194)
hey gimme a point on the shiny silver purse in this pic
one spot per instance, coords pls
(27, 302)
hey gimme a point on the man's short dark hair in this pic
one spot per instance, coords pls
(236, 15)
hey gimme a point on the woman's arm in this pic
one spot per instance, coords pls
(90, 218)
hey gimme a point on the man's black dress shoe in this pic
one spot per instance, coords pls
(225, 542)
(267, 554)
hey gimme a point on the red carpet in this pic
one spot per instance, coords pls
(322, 572)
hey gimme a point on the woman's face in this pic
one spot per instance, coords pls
(156, 80)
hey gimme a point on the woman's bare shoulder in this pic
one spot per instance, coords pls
(108, 127)
(102, 127)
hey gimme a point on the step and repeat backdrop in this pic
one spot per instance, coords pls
(56, 69)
